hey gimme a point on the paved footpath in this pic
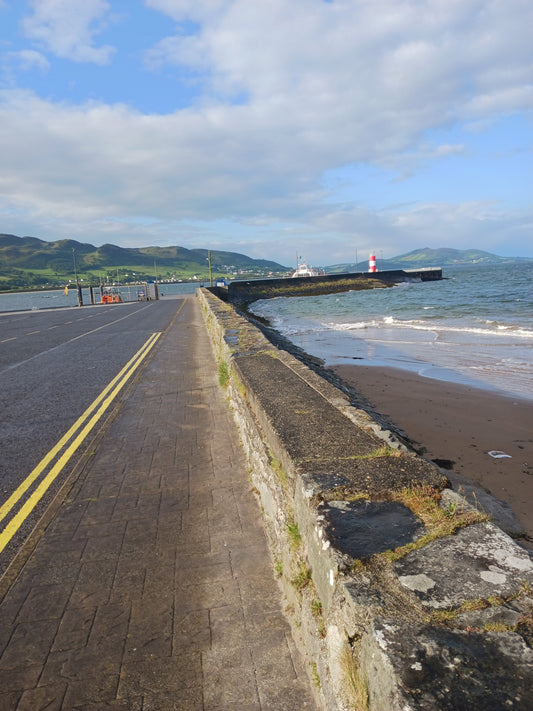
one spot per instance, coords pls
(152, 587)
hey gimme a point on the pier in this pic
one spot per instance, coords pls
(245, 292)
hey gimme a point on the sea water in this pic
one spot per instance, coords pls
(474, 327)
(57, 298)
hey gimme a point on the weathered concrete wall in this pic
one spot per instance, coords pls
(401, 594)
(240, 292)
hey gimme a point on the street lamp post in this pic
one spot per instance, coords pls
(78, 286)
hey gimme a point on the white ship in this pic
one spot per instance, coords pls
(304, 270)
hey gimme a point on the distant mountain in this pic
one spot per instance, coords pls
(446, 256)
(28, 260)
(427, 257)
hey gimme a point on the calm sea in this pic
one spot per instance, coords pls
(473, 327)
(36, 300)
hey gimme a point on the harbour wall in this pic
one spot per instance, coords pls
(402, 595)
(240, 292)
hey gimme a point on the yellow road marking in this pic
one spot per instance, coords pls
(32, 332)
(13, 338)
(102, 402)
(18, 493)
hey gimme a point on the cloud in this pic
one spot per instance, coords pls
(189, 164)
(504, 100)
(197, 10)
(178, 50)
(67, 28)
(28, 59)
(360, 80)
(287, 91)
(485, 224)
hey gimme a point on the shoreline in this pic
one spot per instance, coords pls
(457, 426)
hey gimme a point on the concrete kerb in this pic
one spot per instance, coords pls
(389, 616)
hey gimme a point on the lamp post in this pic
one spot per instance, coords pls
(78, 287)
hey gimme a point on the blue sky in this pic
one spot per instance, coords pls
(269, 127)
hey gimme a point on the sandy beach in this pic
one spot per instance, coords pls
(459, 425)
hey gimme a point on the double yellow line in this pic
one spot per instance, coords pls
(75, 435)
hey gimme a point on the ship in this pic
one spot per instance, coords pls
(304, 270)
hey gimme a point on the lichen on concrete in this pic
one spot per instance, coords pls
(485, 562)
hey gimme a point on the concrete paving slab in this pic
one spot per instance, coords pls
(152, 587)
(319, 439)
(448, 669)
(362, 528)
(485, 563)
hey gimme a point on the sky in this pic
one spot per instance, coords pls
(320, 129)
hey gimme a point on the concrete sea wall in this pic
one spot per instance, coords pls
(401, 594)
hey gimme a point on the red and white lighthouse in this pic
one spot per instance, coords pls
(372, 263)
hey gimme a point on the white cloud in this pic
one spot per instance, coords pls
(291, 89)
(448, 150)
(67, 28)
(28, 59)
(196, 10)
(483, 224)
(178, 50)
(505, 100)
(188, 164)
(359, 80)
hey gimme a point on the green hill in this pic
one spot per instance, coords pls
(28, 261)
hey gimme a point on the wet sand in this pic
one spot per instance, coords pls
(461, 425)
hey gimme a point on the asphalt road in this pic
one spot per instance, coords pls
(53, 364)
